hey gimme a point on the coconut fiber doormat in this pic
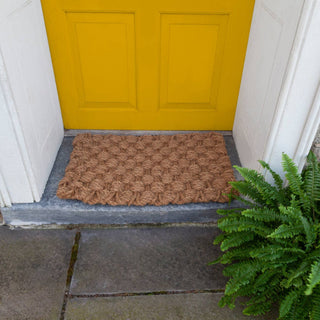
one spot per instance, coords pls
(147, 170)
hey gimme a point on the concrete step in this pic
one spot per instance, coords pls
(52, 210)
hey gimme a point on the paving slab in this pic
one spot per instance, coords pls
(202, 306)
(33, 271)
(147, 260)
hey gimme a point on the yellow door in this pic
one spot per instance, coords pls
(148, 64)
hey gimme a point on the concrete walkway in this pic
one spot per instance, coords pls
(129, 273)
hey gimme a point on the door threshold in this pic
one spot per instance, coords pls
(54, 211)
(73, 133)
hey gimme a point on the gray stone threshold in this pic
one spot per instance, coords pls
(54, 211)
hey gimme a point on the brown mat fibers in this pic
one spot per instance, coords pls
(147, 170)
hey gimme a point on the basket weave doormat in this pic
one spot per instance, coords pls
(147, 170)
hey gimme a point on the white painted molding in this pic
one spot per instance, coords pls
(11, 108)
(31, 128)
(14, 161)
(278, 107)
(4, 195)
(297, 115)
(309, 133)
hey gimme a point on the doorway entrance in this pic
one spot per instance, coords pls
(148, 65)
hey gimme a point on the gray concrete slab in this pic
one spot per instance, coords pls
(202, 306)
(147, 260)
(52, 210)
(33, 271)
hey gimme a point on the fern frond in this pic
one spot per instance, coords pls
(314, 255)
(270, 293)
(227, 301)
(268, 193)
(264, 214)
(303, 268)
(287, 302)
(234, 224)
(258, 308)
(299, 309)
(219, 238)
(229, 217)
(293, 213)
(239, 254)
(263, 278)
(236, 239)
(246, 190)
(273, 252)
(286, 261)
(315, 313)
(314, 277)
(293, 176)
(295, 181)
(246, 202)
(312, 180)
(227, 212)
(242, 267)
(284, 231)
(311, 235)
(257, 227)
(277, 179)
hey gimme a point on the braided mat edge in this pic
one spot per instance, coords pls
(147, 170)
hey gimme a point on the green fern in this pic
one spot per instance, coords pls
(295, 181)
(272, 247)
(236, 239)
(314, 277)
(285, 231)
(277, 179)
(264, 214)
(315, 313)
(311, 185)
(288, 301)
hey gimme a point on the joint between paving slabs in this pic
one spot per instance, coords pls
(114, 226)
(148, 293)
(73, 259)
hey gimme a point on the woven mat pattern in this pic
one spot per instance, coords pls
(147, 170)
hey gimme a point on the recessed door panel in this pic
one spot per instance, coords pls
(103, 47)
(191, 52)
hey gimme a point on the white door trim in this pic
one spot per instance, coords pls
(21, 149)
(292, 112)
(286, 114)
(31, 128)
(309, 133)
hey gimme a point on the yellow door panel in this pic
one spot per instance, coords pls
(103, 59)
(192, 49)
(148, 65)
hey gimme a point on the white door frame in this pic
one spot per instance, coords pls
(29, 148)
(297, 115)
(286, 97)
(31, 128)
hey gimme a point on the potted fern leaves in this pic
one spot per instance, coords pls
(272, 248)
